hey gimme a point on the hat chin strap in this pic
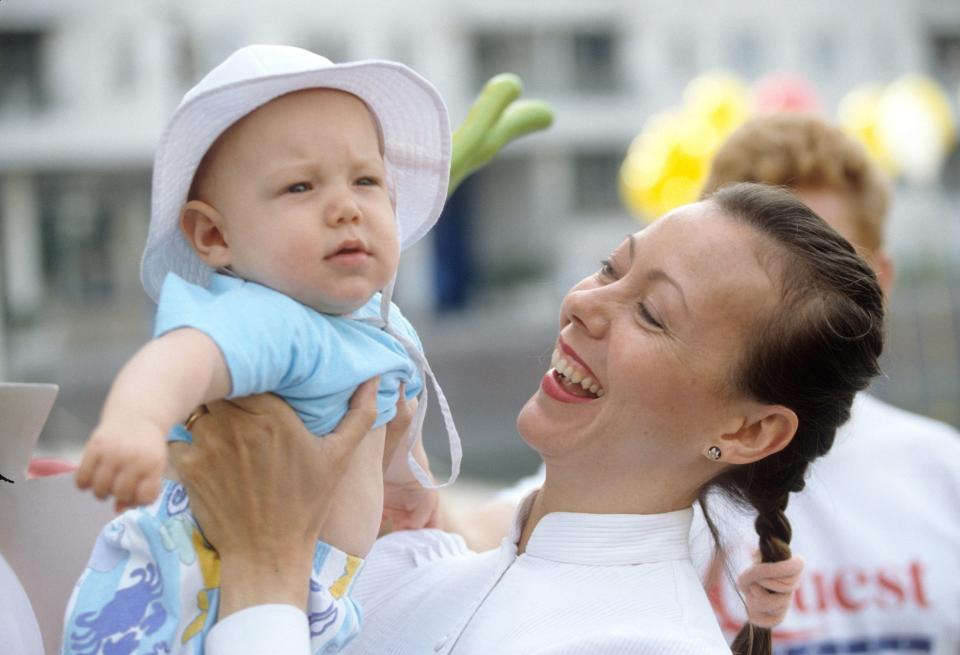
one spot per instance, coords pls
(416, 425)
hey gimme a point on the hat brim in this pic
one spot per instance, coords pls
(416, 136)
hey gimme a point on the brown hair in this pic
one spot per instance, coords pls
(812, 354)
(806, 152)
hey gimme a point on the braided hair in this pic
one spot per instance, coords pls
(812, 354)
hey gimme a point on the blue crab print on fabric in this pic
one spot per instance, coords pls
(119, 626)
(176, 499)
(321, 620)
(176, 535)
(176, 524)
(334, 617)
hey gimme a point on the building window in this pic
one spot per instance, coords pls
(596, 181)
(950, 174)
(21, 87)
(504, 52)
(78, 258)
(334, 47)
(576, 60)
(506, 229)
(681, 49)
(125, 72)
(595, 67)
(746, 54)
(825, 58)
(945, 51)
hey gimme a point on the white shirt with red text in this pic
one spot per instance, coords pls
(879, 528)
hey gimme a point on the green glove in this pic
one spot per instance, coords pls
(494, 120)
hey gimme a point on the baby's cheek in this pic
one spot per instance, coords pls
(282, 266)
(295, 252)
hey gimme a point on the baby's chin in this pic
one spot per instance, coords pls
(336, 306)
(337, 301)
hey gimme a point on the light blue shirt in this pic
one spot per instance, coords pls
(273, 343)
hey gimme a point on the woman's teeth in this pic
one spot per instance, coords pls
(570, 370)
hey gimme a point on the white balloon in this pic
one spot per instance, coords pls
(912, 132)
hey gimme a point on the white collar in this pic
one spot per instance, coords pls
(605, 539)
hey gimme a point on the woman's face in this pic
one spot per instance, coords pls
(657, 329)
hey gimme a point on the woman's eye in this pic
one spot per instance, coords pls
(648, 317)
(606, 269)
(299, 187)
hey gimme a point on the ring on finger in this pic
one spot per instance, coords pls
(195, 415)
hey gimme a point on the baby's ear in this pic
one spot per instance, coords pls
(203, 227)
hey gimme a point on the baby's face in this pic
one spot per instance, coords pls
(301, 186)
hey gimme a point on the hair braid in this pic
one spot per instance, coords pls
(812, 355)
(775, 532)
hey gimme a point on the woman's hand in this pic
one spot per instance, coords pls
(260, 486)
(406, 504)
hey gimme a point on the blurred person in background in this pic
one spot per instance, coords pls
(878, 523)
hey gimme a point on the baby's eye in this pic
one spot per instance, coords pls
(299, 187)
(367, 180)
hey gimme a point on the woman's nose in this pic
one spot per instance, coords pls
(587, 308)
(341, 207)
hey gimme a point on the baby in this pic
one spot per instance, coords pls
(295, 184)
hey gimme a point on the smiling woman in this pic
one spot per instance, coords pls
(720, 347)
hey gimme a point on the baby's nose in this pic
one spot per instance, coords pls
(342, 208)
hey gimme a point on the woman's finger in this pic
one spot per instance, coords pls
(358, 420)
(398, 427)
(180, 455)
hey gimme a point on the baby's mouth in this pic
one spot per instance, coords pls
(573, 378)
(349, 248)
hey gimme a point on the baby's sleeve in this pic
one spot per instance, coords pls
(268, 340)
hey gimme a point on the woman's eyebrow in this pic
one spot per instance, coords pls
(658, 274)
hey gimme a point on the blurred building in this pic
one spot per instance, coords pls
(85, 89)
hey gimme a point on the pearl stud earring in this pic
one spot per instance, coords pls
(713, 453)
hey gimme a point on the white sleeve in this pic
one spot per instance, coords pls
(261, 630)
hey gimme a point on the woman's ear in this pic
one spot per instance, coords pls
(769, 430)
(203, 227)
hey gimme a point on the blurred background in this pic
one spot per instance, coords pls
(85, 88)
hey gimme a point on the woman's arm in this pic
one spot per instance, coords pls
(260, 484)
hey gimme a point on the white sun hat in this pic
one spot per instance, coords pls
(412, 117)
